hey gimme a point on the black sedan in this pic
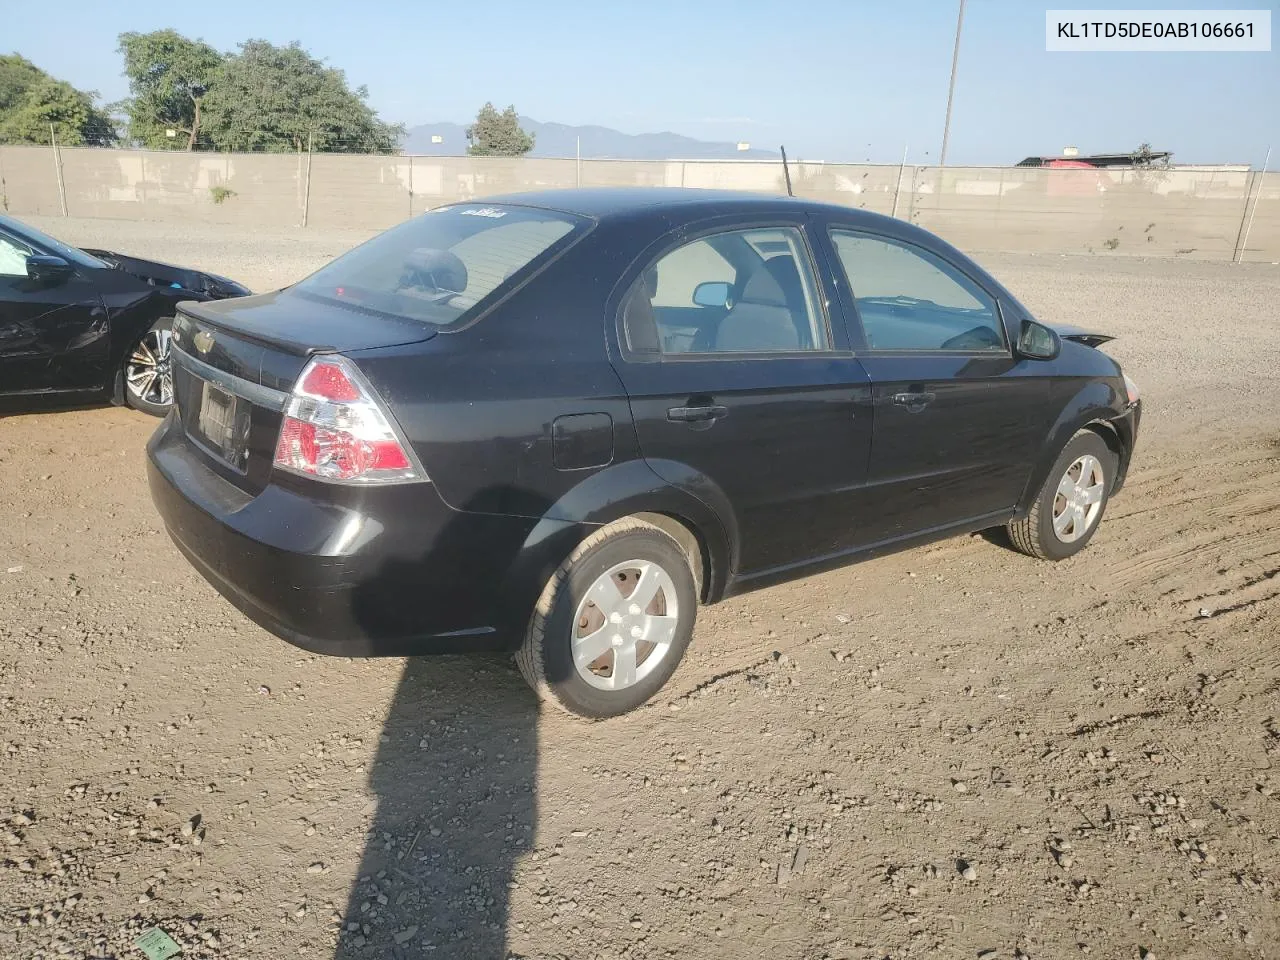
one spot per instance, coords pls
(84, 325)
(557, 423)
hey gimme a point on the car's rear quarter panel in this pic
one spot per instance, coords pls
(505, 416)
(481, 421)
(480, 404)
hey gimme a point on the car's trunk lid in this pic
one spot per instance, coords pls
(235, 361)
(301, 324)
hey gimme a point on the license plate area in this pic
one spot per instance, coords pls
(222, 424)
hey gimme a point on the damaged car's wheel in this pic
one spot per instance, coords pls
(148, 380)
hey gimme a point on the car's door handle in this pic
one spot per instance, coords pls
(915, 400)
(702, 414)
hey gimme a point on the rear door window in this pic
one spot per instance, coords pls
(908, 299)
(439, 267)
(740, 291)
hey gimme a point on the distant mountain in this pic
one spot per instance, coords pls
(560, 140)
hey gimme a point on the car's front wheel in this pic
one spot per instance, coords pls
(1071, 503)
(148, 380)
(612, 623)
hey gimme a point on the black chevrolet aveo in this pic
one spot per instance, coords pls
(555, 423)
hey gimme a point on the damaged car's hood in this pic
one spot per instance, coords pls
(159, 274)
(1080, 335)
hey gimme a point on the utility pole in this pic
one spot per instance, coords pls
(951, 88)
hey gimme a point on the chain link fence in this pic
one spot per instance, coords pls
(1199, 212)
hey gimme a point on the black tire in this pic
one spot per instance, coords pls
(546, 658)
(1034, 534)
(148, 401)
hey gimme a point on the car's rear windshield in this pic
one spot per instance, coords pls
(437, 267)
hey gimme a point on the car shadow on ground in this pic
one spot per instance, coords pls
(454, 780)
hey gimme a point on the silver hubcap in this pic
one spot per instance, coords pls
(625, 625)
(146, 373)
(1078, 500)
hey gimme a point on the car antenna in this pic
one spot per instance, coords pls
(786, 171)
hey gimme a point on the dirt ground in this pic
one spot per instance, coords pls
(954, 751)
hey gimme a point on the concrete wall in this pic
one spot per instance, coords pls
(1190, 212)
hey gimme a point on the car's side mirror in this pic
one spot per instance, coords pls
(1038, 342)
(48, 270)
(712, 293)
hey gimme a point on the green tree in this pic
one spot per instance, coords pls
(31, 100)
(275, 98)
(497, 134)
(17, 76)
(169, 78)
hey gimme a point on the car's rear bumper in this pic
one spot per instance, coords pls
(387, 571)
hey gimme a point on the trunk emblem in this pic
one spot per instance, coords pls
(203, 341)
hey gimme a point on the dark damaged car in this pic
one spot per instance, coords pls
(89, 325)
(558, 423)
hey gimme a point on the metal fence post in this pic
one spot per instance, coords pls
(306, 190)
(1243, 244)
(1249, 179)
(57, 167)
(897, 187)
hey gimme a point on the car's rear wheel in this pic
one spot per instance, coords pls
(1070, 505)
(612, 623)
(148, 380)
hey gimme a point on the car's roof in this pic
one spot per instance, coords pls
(661, 209)
(610, 202)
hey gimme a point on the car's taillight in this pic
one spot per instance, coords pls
(335, 430)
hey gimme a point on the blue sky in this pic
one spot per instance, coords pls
(831, 79)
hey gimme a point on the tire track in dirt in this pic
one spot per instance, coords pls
(1218, 518)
